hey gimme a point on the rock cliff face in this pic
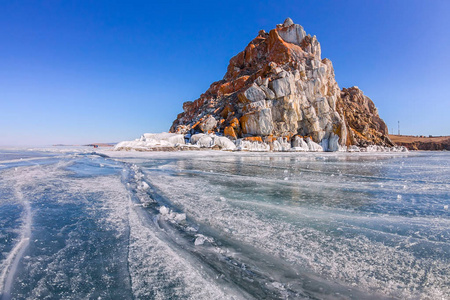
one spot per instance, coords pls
(279, 88)
(365, 127)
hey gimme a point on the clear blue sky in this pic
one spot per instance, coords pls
(106, 71)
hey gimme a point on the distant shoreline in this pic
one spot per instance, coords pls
(87, 145)
(421, 142)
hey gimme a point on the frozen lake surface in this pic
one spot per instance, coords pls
(223, 225)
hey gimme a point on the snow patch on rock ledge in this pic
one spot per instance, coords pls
(173, 142)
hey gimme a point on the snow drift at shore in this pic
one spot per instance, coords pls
(174, 141)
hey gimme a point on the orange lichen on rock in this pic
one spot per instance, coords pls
(243, 99)
(229, 132)
(243, 123)
(270, 139)
(287, 137)
(281, 52)
(234, 122)
(195, 125)
(226, 111)
(233, 86)
(254, 139)
(337, 129)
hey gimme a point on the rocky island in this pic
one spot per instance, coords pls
(278, 94)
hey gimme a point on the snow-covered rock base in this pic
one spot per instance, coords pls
(174, 141)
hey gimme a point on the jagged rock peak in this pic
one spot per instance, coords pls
(288, 22)
(280, 87)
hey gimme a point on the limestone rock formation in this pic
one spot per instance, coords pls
(279, 89)
(365, 125)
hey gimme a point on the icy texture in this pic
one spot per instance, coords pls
(244, 145)
(172, 141)
(89, 241)
(299, 144)
(369, 221)
(224, 143)
(281, 145)
(312, 146)
(225, 225)
(152, 140)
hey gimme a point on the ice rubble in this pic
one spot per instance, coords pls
(244, 145)
(152, 140)
(170, 215)
(200, 239)
(174, 141)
